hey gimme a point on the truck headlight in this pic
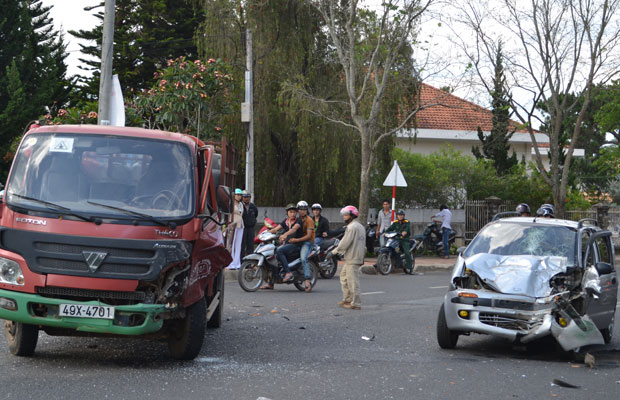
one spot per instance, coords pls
(10, 272)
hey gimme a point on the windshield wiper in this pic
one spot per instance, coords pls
(57, 207)
(146, 217)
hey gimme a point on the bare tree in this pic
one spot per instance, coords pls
(370, 49)
(559, 47)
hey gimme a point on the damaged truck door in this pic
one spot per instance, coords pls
(527, 278)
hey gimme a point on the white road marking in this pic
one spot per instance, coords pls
(372, 293)
(438, 287)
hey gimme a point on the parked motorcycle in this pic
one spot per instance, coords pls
(371, 237)
(391, 256)
(257, 267)
(431, 240)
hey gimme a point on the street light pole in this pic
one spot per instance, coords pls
(107, 53)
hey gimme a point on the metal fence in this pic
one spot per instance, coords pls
(576, 215)
(477, 215)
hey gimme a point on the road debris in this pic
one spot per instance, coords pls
(559, 382)
(589, 360)
(368, 338)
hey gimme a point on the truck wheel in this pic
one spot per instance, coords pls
(21, 338)
(384, 264)
(186, 337)
(216, 318)
(445, 337)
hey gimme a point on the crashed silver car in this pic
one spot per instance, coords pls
(527, 278)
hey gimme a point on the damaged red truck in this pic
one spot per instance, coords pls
(114, 231)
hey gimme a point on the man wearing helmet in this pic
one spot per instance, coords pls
(353, 247)
(524, 210)
(401, 225)
(291, 226)
(305, 240)
(546, 211)
(321, 224)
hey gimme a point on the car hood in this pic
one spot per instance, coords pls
(521, 275)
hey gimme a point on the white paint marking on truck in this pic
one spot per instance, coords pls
(438, 287)
(372, 293)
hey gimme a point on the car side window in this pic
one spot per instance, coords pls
(604, 249)
(585, 237)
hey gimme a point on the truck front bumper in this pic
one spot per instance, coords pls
(136, 319)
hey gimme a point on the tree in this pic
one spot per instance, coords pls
(374, 56)
(33, 70)
(560, 47)
(608, 114)
(146, 34)
(496, 145)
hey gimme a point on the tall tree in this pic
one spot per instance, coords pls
(146, 34)
(373, 53)
(496, 146)
(33, 70)
(560, 47)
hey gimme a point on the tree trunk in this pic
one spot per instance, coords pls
(364, 174)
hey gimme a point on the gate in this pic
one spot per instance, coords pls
(477, 215)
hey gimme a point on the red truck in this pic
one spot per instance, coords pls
(114, 231)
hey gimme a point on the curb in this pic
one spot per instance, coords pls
(368, 269)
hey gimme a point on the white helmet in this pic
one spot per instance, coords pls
(316, 206)
(302, 205)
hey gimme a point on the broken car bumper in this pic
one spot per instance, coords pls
(136, 319)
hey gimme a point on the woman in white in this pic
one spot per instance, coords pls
(237, 222)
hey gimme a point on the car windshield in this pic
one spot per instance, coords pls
(512, 239)
(104, 176)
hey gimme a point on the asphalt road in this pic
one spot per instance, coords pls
(285, 344)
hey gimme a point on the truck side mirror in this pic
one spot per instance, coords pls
(224, 199)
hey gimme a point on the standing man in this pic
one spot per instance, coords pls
(353, 246)
(250, 213)
(305, 240)
(384, 220)
(446, 228)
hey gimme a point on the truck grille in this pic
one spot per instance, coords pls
(106, 268)
(62, 292)
(76, 249)
(515, 324)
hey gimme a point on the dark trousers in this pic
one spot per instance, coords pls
(286, 251)
(247, 243)
(405, 245)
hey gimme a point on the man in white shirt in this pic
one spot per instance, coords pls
(446, 218)
(384, 220)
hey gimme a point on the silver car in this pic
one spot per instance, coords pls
(527, 278)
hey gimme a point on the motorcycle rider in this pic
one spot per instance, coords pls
(546, 211)
(353, 246)
(524, 210)
(446, 228)
(401, 225)
(305, 240)
(290, 226)
(321, 224)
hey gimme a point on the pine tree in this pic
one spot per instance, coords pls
(33, 70)
(495, 146)
(146, 34)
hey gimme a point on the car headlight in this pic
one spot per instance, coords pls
(11, 272)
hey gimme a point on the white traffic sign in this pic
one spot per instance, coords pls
(395, 177)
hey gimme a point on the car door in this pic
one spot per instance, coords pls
(600, 255)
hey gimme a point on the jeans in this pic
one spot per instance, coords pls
(306, 247)
(318, 241)
(283, 252)
(446, 237)
(381, 240)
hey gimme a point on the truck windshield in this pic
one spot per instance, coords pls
(103, 176)
(512, 239)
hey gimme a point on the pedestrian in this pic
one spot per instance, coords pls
(353, 247)
(237, 222)
(384, 220)
(446, 228)
(250, 213)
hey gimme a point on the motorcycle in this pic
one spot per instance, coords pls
(263, 263)
(391, 256)
(371, 237)
(268, 223)
(431, 240)
(328, 266)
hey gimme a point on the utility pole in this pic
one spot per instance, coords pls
(107, 46)
(249, 100)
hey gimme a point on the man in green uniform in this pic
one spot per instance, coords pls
(401, 225)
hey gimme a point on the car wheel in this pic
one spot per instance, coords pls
(445, 337)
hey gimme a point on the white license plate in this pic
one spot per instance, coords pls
(86, 311)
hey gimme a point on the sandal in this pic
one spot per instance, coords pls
(308, 286)
(288, 277)
(266, 287)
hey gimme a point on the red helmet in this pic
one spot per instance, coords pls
(351, 210)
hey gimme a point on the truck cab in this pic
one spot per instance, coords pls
(114, 231)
